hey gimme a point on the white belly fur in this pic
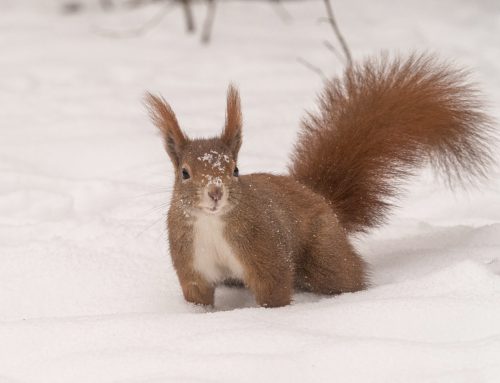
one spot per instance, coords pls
(213, 256)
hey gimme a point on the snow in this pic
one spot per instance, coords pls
(215, 160)
(87, 290)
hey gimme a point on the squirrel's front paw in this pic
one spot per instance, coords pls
(198, 294)
(272, 296)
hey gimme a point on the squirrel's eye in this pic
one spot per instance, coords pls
(185, 174)
(236, 172)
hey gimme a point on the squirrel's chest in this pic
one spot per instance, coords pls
(213, 257)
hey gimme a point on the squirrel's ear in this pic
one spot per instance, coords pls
(232, 134)
(164, 118)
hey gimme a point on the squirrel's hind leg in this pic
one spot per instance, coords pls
(330, 265)
(269, 278)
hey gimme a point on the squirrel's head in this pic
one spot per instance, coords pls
(206, 174)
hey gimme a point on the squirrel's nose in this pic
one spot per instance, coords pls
(215, 192)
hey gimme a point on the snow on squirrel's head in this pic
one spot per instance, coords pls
(206, 175)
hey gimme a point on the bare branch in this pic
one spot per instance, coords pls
(335, 51)
(148, 25)
(209, 21)
(336, 30)
(281, 11)
(312, 67)
(188, 13)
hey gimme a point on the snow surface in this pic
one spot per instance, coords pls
(87, 290)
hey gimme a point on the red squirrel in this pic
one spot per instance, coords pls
(376, 125)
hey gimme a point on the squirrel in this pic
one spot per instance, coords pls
(377, 124)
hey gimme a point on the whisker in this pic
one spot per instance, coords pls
(148, 227)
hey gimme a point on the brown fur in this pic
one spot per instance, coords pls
(381, 122)
(290, 232)
(164, 118)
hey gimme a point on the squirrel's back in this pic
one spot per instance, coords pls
(379, 123)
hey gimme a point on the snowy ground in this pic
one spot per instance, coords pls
(87, 292)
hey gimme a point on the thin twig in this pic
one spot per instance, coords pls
(209, 22)
(281, 11)
(334, 50)
(312, 67)
(139, 31)
(188, 13)
(336, 30)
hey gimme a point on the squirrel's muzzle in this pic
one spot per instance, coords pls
(215, 193)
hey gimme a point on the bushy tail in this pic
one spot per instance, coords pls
(379, 123)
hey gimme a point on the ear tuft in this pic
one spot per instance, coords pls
(164, 118)
(232, 133)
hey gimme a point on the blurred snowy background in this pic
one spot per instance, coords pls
(87, 290)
